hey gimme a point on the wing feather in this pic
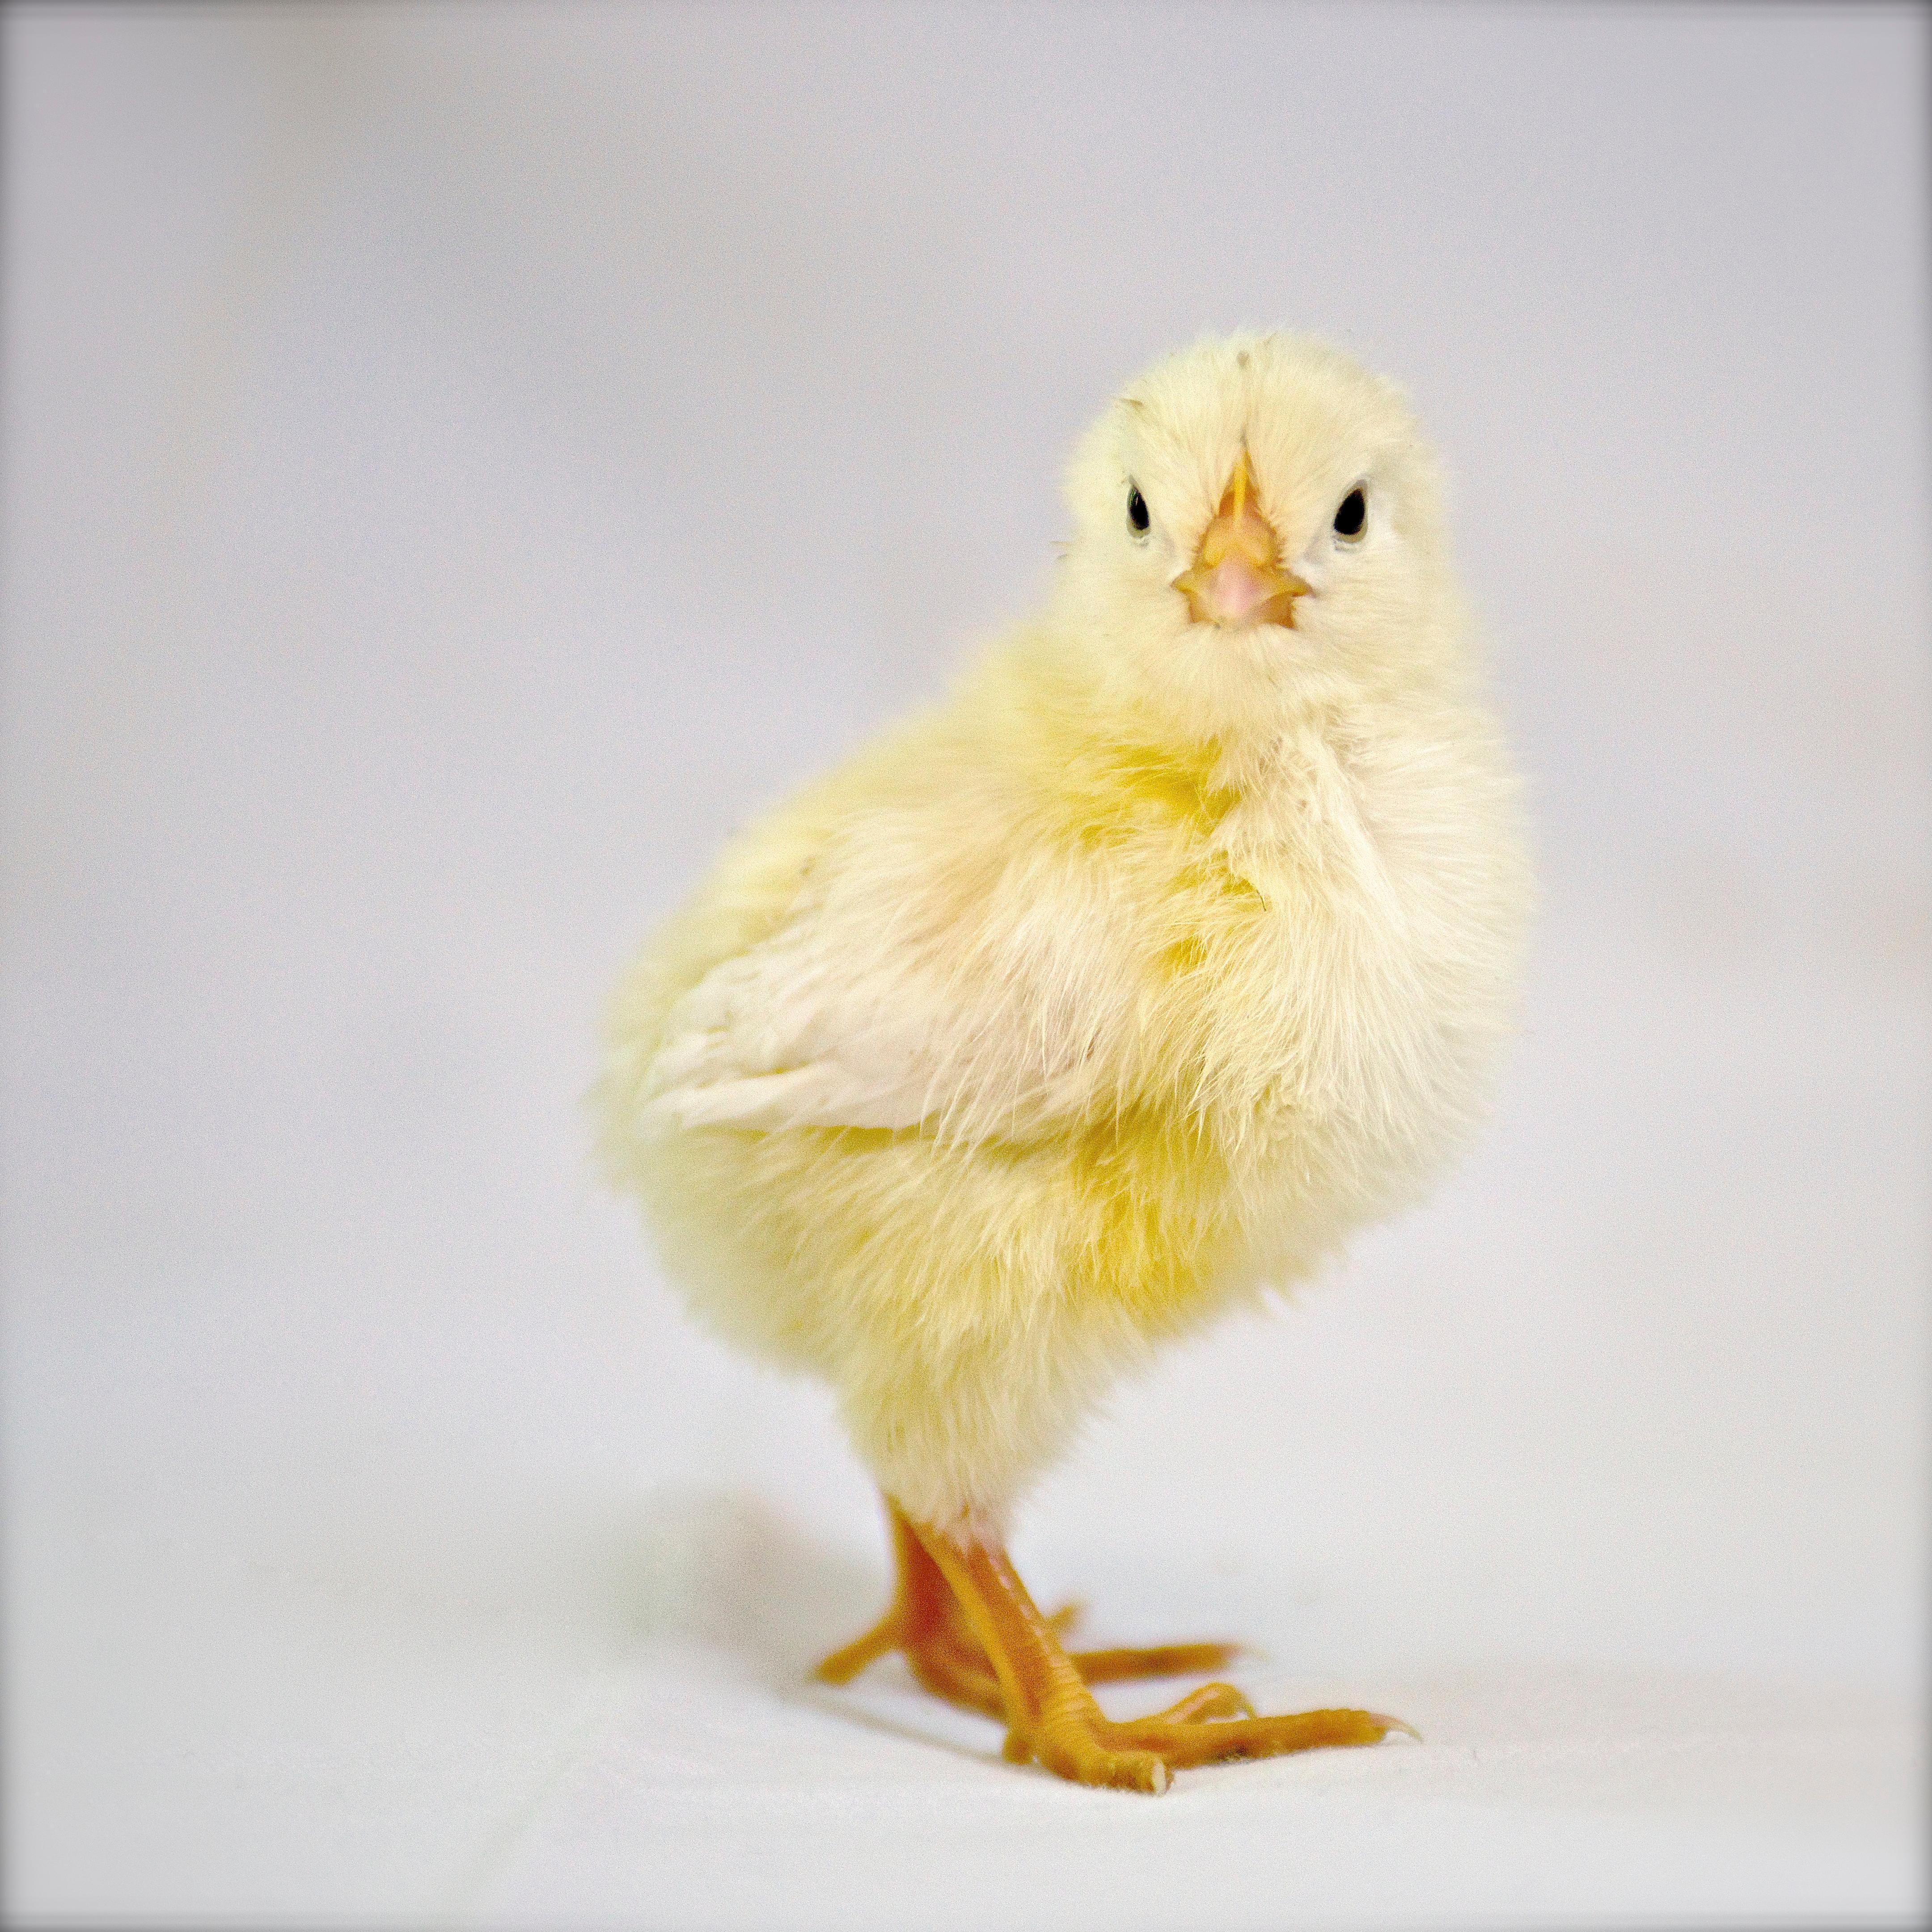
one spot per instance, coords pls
(889, 1001)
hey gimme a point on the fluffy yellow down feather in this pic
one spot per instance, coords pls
(1126, 982)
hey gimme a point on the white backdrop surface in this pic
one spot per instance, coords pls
(460, 461)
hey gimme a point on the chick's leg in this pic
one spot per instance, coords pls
(927, 1622)
(1051, 1713)
(924, 1621)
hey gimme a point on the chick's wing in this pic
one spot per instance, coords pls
(978, 996)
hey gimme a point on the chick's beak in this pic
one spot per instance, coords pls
(1235, 579)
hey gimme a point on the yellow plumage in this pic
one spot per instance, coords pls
(1127, 982)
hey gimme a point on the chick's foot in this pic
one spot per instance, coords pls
(972, 1634)
(927, 1624)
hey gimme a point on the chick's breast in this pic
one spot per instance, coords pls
(1019, 1044)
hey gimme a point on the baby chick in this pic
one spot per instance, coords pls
(1177, 946)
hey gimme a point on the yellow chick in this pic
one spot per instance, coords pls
(1177, 945)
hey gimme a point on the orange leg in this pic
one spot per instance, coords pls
(972, 1634)
(927, 1623)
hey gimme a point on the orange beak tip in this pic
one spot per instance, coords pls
(1236, 580)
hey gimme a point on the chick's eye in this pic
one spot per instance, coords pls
(1137, 511)
(1350, 514)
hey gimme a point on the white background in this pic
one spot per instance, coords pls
(459, 463)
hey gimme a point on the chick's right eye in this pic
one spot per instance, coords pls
(1137, 511)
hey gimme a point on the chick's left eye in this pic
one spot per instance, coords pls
(1137, 511)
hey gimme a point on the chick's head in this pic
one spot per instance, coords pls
(1259, 531)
